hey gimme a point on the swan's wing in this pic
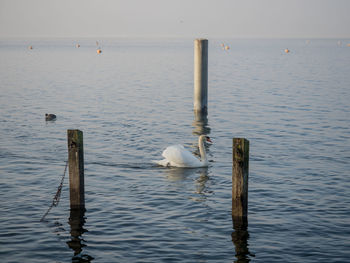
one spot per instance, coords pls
(178, 156)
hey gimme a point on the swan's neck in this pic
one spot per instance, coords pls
(202, 150)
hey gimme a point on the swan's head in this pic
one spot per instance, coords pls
(205, 138)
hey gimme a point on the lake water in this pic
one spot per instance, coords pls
(135, 99)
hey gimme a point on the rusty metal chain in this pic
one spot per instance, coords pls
(57, 196)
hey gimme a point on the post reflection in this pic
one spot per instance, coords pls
(200, 127)
(201, 187)
(240, 237)
(76, 222)
(200, 124)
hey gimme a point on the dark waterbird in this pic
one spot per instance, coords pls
(50, 117)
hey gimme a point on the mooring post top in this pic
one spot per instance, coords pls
(75, 139)
(241, 144)
(241, 139)
(201, 42)
(75, 133)
(73, 130)
(240, 148)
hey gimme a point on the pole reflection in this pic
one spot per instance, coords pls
(200, 127)
(201, 181)
(240, 237)
(200, 124)
(76, 222)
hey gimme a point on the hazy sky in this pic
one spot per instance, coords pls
(176, 18)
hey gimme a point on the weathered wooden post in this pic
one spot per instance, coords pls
(240, 169)
(76, 169)
(201, 76)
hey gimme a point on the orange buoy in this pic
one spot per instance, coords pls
(30, 47)
(348, 45)
(286, 50)
(77, 45)
(227, 48)
(99, 51)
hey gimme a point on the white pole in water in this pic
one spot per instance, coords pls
(201, 76)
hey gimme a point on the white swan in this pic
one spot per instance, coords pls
(178, 156)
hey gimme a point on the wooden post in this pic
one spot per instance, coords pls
(201, 75)
(240, 169)
(76, 169)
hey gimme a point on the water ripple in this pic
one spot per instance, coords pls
(131, 104)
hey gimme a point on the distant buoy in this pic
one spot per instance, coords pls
(286, 50)
(99, 51)
(30, 47)
(227, 48)
(77, 45)
(348, 45)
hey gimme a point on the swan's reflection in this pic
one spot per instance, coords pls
(179, 175)
(240, 237)
(76, 222)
